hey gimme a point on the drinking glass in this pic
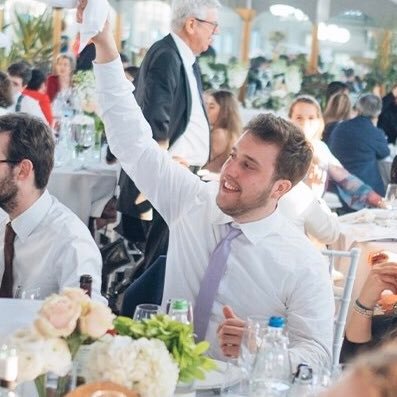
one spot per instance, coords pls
(146, 310)
(27, 293)
(391, 196)
(108, 393)
(254, 331)
(235, 384)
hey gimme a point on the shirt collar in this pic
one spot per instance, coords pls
(254, 231)
(25, 223)
(184, 50)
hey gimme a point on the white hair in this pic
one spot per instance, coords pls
(369, 105)
(183, 9)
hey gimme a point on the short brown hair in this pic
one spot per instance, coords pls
(295, 154)
(5, 91)
(30, 138)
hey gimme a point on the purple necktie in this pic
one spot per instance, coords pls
(210, 283)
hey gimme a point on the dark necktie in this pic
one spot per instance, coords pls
(7, 281)
(210, 283)
(197, 75)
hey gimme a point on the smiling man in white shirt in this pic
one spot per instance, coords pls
(272, 268)
(43, 245)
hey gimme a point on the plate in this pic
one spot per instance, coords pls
(216, 378)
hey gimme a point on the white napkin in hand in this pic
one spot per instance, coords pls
(94, 17)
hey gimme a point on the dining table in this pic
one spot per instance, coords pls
(84, 188)
(370, 230)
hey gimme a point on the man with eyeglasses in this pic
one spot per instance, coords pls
(44, 246)
(168, 89)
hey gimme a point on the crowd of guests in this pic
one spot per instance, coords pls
(257, 195)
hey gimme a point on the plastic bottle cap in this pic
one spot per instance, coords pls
(180, 304)
(276, 322)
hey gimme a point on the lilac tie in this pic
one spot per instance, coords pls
(210, 283)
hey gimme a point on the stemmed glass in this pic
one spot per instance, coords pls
(145, 311)
(27, 293)
(391, 196)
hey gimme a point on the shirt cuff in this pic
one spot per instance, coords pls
(109, 75)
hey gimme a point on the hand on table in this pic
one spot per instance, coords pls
(230, 332)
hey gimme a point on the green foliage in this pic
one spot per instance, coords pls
(32, 41)
(177, 337)
(316, 85)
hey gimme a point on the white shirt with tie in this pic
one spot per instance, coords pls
(194, 144)
(272, 268)
(53, 248)
(28, 105)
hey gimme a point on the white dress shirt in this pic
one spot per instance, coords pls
(53, 248)
(28, 105)
(194, 144)
(272, 269)
(310, 214)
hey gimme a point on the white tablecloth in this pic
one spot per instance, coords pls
(16, 314)
(85, 191)
(370, 230)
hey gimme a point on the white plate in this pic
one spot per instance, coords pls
(216, 378)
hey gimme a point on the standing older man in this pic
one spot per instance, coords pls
(43, 245)
(229, 244)
(168, 89)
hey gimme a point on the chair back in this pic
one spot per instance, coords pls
(342, 296)
(148, 288)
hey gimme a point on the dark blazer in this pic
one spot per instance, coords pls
(358, 145)
(163, 93)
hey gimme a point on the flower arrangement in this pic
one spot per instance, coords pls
(143, 365)
(64, 323)
(177, 337)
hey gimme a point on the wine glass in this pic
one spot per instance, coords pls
(145, 311)
(27, 293)
(254, 331)
(391, 196)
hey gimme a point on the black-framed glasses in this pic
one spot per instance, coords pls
(213, 24)
(10, 161)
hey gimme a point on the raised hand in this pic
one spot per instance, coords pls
(81, 4)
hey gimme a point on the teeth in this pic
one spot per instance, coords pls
(230, 187)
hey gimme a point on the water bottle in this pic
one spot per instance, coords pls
(271, 370)
(179, 310)
(302, 383)
(8, 371)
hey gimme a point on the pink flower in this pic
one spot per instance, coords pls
(58, 316)
(96, 321)
(78, 295)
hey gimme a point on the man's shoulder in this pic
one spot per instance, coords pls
(165, 49)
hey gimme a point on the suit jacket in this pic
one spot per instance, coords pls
(163, 93)
(359, 145)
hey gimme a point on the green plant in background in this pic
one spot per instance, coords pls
(32, 41)
(177, 337)
(316, 85)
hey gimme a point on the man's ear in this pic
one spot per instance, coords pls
(24, 169)
(280, 187)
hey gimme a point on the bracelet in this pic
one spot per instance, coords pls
(361, 306)
(362, 310)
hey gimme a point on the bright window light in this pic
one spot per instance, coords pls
(333, 33)
(285, 11)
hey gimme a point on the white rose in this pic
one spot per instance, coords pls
(57, 356)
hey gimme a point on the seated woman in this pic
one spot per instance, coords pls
(339, 108)
(61, 80)
(364, 330)
(354, 193)
(224, 118)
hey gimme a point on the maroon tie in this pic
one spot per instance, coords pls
(7, 281)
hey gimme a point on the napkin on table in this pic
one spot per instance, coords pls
(94, 17)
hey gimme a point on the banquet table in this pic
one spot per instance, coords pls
(84, 190)
(370, 230)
